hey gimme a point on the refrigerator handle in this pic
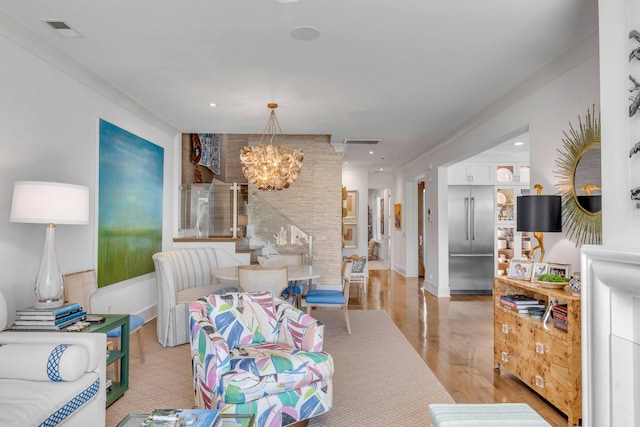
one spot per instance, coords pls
(467, 218)
(473, 218)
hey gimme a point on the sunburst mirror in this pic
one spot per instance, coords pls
(580, 181)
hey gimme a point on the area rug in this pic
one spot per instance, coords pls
(380, 380)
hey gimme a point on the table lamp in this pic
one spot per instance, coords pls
(49, 203)
(539, 214)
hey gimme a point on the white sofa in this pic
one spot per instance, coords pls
(183, 276)
(51, 378)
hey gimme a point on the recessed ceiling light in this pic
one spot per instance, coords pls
(381, 169)
(213, 104)
(370, 152)
(518, 143)
(285, 1)
(305, 33)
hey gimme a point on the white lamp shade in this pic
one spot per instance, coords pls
(49, 202)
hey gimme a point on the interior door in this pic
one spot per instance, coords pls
(421, 229)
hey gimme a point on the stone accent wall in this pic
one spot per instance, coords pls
(313, 202)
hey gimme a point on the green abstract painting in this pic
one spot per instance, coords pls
(129, 204)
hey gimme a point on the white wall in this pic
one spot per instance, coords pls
(620, 218)
(357, 179)
(546, 103)
(49, 132)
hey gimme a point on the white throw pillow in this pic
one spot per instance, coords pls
(43, 362)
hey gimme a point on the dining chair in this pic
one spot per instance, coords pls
(79, 287)
(359, 271)
(294, 290)
(322, 298)
(257, 278)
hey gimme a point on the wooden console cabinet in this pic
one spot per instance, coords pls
(548, 361)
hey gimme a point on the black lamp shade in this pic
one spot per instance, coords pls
(591, 204)
(539, 213)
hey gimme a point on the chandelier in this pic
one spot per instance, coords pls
(271, 167)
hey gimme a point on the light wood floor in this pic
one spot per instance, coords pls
(455, 338)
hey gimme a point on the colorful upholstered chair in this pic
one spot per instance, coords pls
(252, 353)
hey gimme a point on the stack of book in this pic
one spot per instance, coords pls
(560, 319)
(520, 303)
(48, 319)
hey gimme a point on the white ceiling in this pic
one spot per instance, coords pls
(407, 72)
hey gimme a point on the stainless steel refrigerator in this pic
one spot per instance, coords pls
(471, 212)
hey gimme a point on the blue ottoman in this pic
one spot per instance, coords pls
(485, 414)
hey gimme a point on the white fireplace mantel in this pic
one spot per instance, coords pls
(610, 336)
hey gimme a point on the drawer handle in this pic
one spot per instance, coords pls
(505, 328)
(505, 356)
(539, 381)
(539, 348)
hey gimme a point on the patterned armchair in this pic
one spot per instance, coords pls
(252, 353)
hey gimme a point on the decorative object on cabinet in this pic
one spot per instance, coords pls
(520, 269)
(397, 215)
(349, 236)
(504, 202)
(540, 213)
(538, 269)
(49, 203)
(504, 174)
(579, 166)
(548, 361)
(563, 270)
(351, 204)
(575, 284)
(271, 167)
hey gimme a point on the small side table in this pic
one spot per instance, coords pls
(111, 322)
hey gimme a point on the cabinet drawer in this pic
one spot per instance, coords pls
(544, 381)
(510, 357)
(551, 350)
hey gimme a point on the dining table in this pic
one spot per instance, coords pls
(295, 274)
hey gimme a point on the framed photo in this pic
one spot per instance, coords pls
(397, 215)
(349, 235)
(520, 269)
(563, 270)
(538, 269)
(351, 204)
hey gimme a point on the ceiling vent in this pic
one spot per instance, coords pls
(62, 28)
(362, 141)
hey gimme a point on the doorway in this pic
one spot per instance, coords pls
(421, 216)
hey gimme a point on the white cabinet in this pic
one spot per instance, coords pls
(511, 173)
(510, 244)
(470, 174)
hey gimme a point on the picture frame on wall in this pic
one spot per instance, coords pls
(349, 235)
(520, 269)
(397, 215)
(351, 204)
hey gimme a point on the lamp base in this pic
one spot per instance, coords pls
(48, 304)
(49, 289)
